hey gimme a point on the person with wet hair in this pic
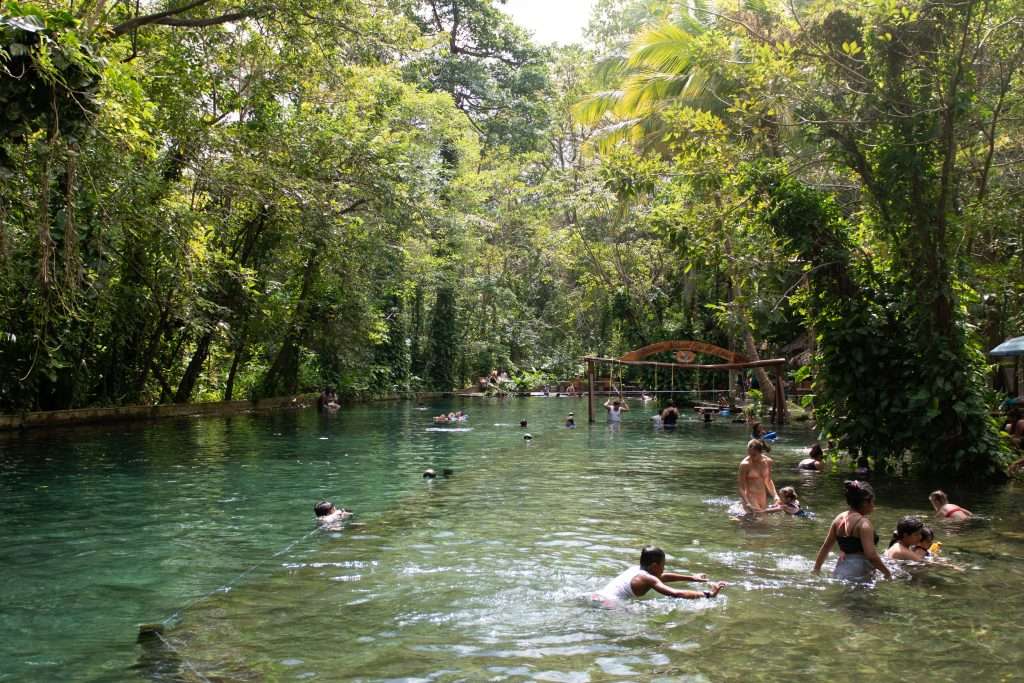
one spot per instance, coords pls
(327, 515)
(815, 460)
(789, 503)
(754, 479)
(636, 581)
(946, 510)
(906, 536)
(856, 538)
(927, 548)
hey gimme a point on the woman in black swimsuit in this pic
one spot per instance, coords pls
(856, 538)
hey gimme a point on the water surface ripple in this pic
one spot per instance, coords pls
(479, 576)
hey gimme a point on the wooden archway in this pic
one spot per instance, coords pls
(681, 347)
(685, 353)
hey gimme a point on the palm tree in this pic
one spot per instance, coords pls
(660, 72)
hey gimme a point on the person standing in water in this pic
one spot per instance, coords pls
(670, 415)
(635, 582)
(856, 538)
(754, 479)
(815, 460)
(615, 409)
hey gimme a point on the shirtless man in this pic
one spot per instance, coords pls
(755, 478)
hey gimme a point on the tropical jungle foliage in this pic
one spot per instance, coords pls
(209, 200)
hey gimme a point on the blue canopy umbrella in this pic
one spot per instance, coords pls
(1010, 347)
(1013, 348)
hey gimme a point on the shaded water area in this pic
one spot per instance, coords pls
(208, 524)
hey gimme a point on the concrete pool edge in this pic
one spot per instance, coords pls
(84, 416)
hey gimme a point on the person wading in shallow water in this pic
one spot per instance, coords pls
(856, 537)
(615, 409)
(754, 479)
(637, 581)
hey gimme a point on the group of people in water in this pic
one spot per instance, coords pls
(457, 416)
(852, 530)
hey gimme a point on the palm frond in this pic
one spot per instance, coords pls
(592, 109)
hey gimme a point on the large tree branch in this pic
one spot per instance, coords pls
(171, 18)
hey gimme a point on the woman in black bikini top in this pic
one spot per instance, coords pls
(859, 558)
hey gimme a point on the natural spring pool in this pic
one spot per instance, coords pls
(207, 523)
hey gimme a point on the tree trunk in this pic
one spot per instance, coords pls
(767, 386)
(195, 366)
(283, 375)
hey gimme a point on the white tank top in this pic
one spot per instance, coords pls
(614, 414)
(619, 588)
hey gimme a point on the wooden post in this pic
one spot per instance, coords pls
(780, 396)
(590, 390)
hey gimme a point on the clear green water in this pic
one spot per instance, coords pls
(476, 577)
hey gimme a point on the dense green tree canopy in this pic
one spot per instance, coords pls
(214, 199)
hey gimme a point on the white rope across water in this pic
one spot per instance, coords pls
(231, 584)
(175, 616)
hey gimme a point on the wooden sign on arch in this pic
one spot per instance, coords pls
(681, 347)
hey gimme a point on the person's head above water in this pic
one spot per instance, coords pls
(756, 446)
(905, 530)
(757, 430)
(938, 498)
(652, 557)
(859, 494)
(816, 452)
(788, 494)
(324, 508)
(522, 423)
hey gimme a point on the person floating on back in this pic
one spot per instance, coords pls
(946, 510)
(635, 582)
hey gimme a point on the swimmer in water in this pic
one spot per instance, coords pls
(815, 460)
(947, 510)
(927, 548)
(570, 421)
(788, 503)
(329, 516)
(906, 536)
(635, 582)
